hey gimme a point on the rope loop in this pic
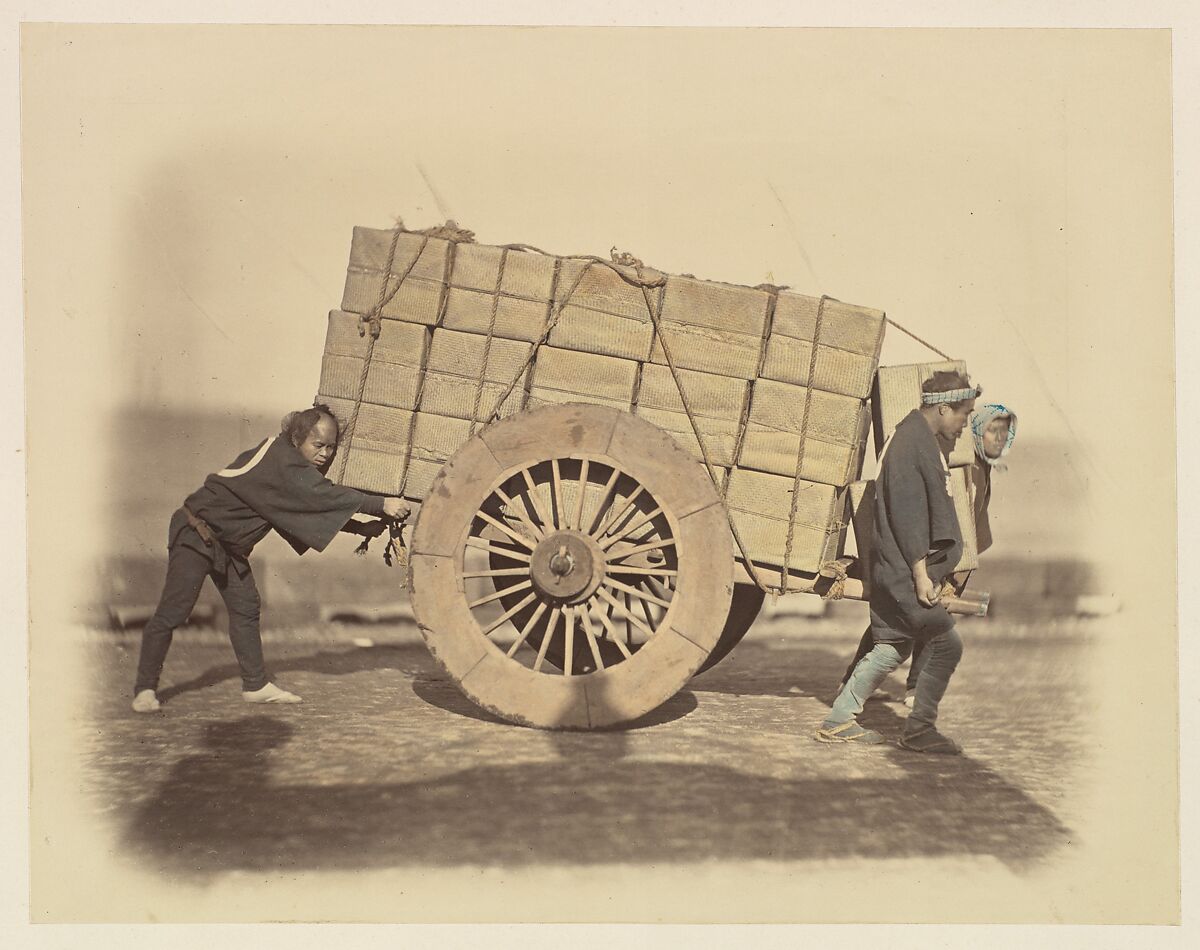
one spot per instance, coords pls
(625, 259)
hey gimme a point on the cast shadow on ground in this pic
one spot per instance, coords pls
(436, 690)
(220, 809)
(333, 662)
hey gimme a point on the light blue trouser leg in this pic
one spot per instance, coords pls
(939, 659)
(871, 670)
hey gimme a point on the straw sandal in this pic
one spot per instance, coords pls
(849, 731)
(929, 740)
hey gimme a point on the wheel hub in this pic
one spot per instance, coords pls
(567, 566)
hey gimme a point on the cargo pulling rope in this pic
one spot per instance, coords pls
(455, 235)
(917, 338)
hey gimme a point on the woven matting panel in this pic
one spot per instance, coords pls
(586, 376)
(726, 307)
(541, 396)
(831, 416)
(959, 485)
(843, 326)
(593, 332)
(398, 342)
(449, 395)
(526, 274)
(418, 299)
(462, 354)
(436, 438)
(516, 319)
(603, 290)
(766, 540)
(769, 450)
(710, 396)
(388, 384)
(725, 352)
(837, 371)
(720, 435)
(421, 473)
(770, 496)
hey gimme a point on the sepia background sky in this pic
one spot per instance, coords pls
(189, 194)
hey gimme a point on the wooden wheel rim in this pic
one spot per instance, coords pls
(703, 557)
(743, 611)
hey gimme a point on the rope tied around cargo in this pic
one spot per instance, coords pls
(372, 321)
(687, 408)
(629, 269)
(590, 261)
(808, 393)
(481, 380)
(620, 263)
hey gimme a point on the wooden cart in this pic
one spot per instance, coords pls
(612, 466)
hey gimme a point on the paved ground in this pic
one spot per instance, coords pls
(386, 765)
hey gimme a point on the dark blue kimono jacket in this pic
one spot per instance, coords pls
(271, 486)
(914, 519)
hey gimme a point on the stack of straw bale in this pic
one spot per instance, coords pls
(465, 313)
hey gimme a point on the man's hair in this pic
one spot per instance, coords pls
(945, 380)
(296, 426)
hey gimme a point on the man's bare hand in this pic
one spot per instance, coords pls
(396, 509)
(928, 593)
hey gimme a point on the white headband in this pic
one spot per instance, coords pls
(954, 395)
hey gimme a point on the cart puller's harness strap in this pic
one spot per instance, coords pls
(619, 263)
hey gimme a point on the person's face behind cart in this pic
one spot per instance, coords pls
(952, 419)
(995, 437)
(320, 444)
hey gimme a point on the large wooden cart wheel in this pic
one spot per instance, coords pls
(581, 534)
(743, 611)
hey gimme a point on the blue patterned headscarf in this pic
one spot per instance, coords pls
(979, 422)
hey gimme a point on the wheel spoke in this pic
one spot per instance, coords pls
(647, 613)
(568, 639)
(528, 628)
(590, 635)
(605, 500)
(531, 495)
(505, 528)
(521, 516)
(484, 545)
(546, 638)
(615, 637)
(556, 495)
(653, 571)
(501, 572)
(510, 613)
(629, 617)
(654, 585)
(653, 546)
(627, 590)
(610, 522)
(496, 595)
(629, 529)
(583, 474)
